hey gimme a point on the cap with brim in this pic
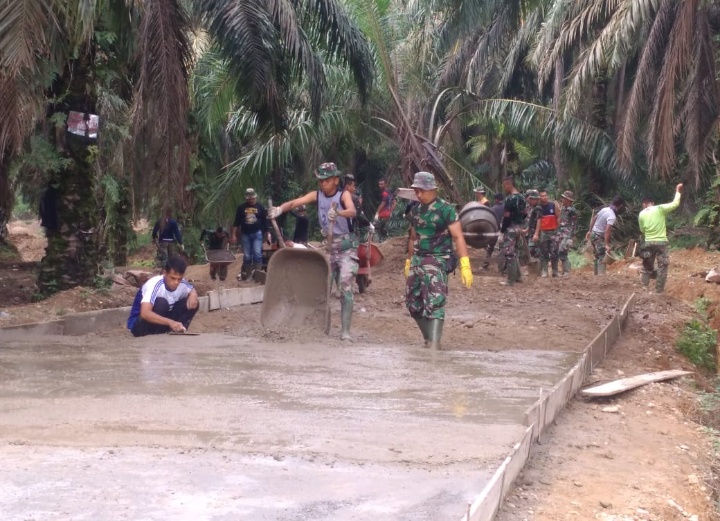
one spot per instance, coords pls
(326, 171)
(532, 194)
(424, 181)
(479, 190)
(567, 194)
(250, 192)
(349, 178)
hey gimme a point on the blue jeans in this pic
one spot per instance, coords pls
(252, 247)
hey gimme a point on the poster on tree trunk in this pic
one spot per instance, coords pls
(83, 124)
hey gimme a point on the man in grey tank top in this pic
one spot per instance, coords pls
(343, 250)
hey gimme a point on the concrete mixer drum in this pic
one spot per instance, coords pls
(479, 225)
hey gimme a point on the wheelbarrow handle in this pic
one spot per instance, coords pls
(281, 242)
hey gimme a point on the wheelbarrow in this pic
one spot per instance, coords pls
(369, 256)
(297, 288)
(219, 261)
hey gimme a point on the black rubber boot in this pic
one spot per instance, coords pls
(554, 264)
(244, 270)
(435, 327)
(423, 325)
(543, 268)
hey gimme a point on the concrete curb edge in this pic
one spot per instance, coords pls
(104, 319)
(541, 415)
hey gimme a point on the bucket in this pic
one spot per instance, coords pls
(478, 224)
(375, 255)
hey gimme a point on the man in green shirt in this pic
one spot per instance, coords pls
(655, 241)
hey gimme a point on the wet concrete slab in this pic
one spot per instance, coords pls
(220, 427)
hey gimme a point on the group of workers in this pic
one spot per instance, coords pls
(436, 247)
(532, 227)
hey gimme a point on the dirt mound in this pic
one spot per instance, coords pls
(29, 239)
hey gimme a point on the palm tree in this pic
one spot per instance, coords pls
(667, 48)
(268, 44)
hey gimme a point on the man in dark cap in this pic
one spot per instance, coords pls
(250, 228)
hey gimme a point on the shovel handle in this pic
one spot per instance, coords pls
(331, 225)
(278, 233)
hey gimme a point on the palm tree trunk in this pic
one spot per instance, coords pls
(557, 151)
(71, 214)
(7, 198)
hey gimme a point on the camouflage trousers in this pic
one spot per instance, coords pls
(510, 246)
(165, 250)
(426, 288)
(548, 245)
(511, 249)
(218, 269)
(649, 253)
(344, 266)
(564, 241)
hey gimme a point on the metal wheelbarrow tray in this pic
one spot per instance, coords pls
(219, 256)
(297, 290)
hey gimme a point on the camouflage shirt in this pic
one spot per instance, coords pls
(534, 214)
(431, 227)
(515, 205)
(568, 220)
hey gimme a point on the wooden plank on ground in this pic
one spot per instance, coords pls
(620, 386)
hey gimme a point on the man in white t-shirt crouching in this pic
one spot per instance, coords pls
(165, 302)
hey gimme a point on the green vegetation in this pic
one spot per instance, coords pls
(199, 101)
(698, 343)
(578, 259)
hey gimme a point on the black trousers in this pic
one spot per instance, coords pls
(179, 313)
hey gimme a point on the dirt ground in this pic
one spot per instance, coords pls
(592, 464)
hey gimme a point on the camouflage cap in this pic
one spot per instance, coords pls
(326, 171)
(349, 178)
(424, 181)
(567, 194)
(532, 194)
(250, 192)
(479, 190)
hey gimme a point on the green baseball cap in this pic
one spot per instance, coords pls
(326, 171)
(250, 192)
(424, 181)
(532, 194)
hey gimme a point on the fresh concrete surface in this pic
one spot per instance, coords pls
(220, 427)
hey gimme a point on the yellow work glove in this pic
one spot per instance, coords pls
(407, 268)
(466, 275)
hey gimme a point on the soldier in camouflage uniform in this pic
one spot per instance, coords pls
(534, 213)
(511, 229)
(566, 230)
(336, 210)
(435, 226)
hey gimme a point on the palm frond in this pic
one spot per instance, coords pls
(20, 106)
(700, 111)
(611, 48)
(162, 96)
(677, 61)
(24, 28)
(645, 82)
(342, 39)
(539, 124)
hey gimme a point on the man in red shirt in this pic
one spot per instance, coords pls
(385, 210)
